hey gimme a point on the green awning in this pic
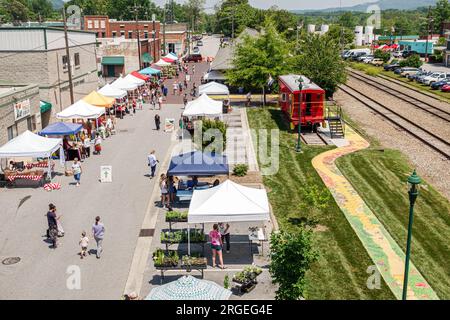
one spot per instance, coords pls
(147, 58)
(113, 61)
(45, 106)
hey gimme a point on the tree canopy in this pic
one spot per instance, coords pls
(256, 59)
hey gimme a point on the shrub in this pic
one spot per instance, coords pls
(207, 141)
(380, 54)
(226, 282)
(240, 170)
(412, 61)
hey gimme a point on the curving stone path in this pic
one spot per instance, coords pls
(384, 251)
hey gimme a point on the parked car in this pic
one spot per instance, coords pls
(407, 71)
(397, 54)
(362, 57)
(399, 70)
(200, 43)
(435, 77)
(391, 66)
(193, 58)
(439, 84)
(423, 75)
(408, 53)
(196, 50)
(446, 88)
(377, 62)
(368, 59)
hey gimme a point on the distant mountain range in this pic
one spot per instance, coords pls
(383, 4)
(58, 4)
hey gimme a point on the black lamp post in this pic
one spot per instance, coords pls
(413, 181)
(298, 148)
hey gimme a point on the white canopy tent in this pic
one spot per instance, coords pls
(172, 56)
(202, 107)
(32, 145)
(228, 202)
(112, 92)
(162, 63)
(123, 84)
(132, 79)
(81, 110)
(214, 88)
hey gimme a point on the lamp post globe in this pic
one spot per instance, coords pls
(413, 182)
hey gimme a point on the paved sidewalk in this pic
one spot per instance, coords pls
(384, 251)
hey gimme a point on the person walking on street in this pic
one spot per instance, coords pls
(216, 246)
(152, 162)
(77, 170)
(175, 88)
(163, 185)
(84, 242)
(165, 92)
(224, 229)
(157, 121)
(180, 88)
(249, 99)
(52, 220)
(98, 231)
(185, 99)
(160, 102)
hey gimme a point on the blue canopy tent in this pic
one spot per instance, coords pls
(150, 71)
(61, 129)
(197, 163)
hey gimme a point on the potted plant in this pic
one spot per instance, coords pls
(192, 261)
(176, 216)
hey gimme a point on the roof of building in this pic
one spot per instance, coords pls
(224, 57)
(292, 82)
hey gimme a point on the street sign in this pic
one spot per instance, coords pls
(105, 174)
(169, 125)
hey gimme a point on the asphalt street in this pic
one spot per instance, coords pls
(45, 273)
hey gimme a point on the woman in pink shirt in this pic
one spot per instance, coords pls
(216, 246)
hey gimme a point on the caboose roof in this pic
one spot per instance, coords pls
(292, 82)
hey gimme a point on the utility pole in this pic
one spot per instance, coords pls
(154, 36)
(69, 65)
(430, 20)
(164, 31)
(136, 11)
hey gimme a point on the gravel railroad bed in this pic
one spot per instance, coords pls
(431, 165)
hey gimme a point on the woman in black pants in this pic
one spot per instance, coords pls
(224, 229)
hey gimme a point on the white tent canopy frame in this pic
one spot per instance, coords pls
(29, 144)
(112, 92)
(203, 106)
(132, 79)
(81, 110)
(228, 202)
(124, 84)
(214, 88)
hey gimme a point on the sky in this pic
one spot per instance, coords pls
(289, 4)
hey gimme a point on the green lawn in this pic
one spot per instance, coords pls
(444, 95)
(340, 272)
(367, 68)
(380, 179)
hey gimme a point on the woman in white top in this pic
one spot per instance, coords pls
(164, 190)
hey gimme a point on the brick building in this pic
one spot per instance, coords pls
(19, 110)
(175, 38)
(118, 52)
(37, 55)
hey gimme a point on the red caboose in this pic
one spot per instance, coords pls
(312, 101)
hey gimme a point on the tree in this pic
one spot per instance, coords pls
(380, 54)
(342, 35)
(292, 255)
(441, 13)
(256, 59)
(283, 19)
(41, 9)
(15, 11)
(123, 9)
(194, 10)
(321, 63)
(348, 20)
(412, 61)
(238, 13)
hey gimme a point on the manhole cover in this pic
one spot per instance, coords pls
(10, 261)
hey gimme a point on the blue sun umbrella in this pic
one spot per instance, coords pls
(189, 288)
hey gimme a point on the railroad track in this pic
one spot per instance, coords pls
(440, 145)
(425, 106)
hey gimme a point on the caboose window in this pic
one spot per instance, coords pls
(308, 101)
(283, 97)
